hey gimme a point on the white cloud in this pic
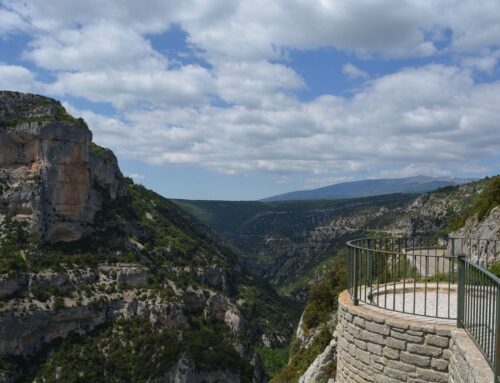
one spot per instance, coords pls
(252, 84)
(95, 47)
(416, 170)
(353, 72)
(136, 177)
(483, 63)
(434, 127)
(240, 112)
(17, 78)
(186, 85)
(425, 49)
(10, 22)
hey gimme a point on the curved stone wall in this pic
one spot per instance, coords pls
(382, 346)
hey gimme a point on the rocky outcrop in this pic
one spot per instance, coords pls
(11, 284)
(323, 367)
(476, 233)
(185, 371)
(51, 174)
(93, 297)
(25, 332)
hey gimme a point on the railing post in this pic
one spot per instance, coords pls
(460, 291)
(355, 276)
(497, 338)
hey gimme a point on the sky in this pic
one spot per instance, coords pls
(228, 99)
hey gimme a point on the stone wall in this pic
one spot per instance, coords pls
(382, 346)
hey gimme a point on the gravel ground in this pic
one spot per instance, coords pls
(442, 304)
(416, 303)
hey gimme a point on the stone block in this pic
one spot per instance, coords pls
(360, 322)
(436, 340)
(391, 353)
(396, 365)
(417, 360)
(395, 343)
(395, 374)
(431, 376)
(377, 328)
(360, 344)
(407, 337)
(373, 338)
(374, 348)
(424, 349)
(439, 364)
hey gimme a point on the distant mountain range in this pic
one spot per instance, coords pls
(365, 188)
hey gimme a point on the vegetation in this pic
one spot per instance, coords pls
(54, 111)
(482, 204)
(132, 351)
(323, 297)
(101, 152)
(172, 240)
(321, 306)
(14, 240)
(274, 360)
(303, 357)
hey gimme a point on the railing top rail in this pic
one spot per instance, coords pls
(352, 244)
(483, 270)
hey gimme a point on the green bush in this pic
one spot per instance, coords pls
(495, 268)
(59, 303)
(274, 359)
(322, 300)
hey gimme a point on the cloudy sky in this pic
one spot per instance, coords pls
(227, 99)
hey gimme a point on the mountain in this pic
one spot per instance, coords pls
(102, 280)
(365, 188)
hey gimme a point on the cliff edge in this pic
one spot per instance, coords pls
(51, 174)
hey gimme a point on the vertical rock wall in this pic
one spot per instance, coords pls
(49, 176)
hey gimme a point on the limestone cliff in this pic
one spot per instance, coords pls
(51, 174)
(100, 277)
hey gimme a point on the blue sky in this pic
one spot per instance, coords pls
(246, 99)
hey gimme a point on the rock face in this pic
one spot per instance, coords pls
(185, 372)
(51, 174)
(321, 369)
(26, 323)
(475, 230)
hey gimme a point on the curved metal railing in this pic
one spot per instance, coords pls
(445, 278)
(409, 275)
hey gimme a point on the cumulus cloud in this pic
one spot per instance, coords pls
(483, 63)
(17, 78)
(236, 108)
(11, 22)
(95, 47)
(353, 72)
(432, 127)
(262, 29)
(123, 88)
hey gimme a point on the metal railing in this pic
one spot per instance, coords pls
(445, 278)
(479, 309)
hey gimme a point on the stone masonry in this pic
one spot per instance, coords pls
(380, 346)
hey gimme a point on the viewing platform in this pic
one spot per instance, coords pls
(420, 310)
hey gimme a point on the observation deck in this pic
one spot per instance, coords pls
(420, 310)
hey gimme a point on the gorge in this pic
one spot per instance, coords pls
(102, 279)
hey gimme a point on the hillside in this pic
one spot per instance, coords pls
(282, 241)
(471, 210)
(104, 280)
(365, 188)
(290, 243)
